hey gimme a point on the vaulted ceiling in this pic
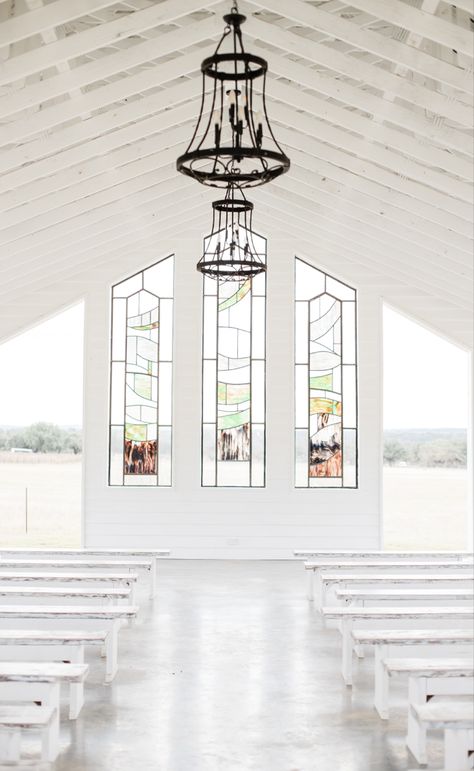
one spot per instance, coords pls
(372, 102)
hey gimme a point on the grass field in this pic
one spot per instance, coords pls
(424, 508)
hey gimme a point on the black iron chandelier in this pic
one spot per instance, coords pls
(233, 142)
(231, 253)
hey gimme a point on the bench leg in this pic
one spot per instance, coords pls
(456, 749)
(50, 741)
(416, 734)
(76, 700)
(310, 585)
(10, 745)
(381, 689)
(131, 585)
(346, 629)
(152, 581)
(111, 646)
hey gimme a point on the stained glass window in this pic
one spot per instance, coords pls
(141, 377)
(325, 380)
(233, 394)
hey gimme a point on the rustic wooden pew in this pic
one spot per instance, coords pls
(426, 678)
(315, 569)
(46, 593)
(15, 719)
(400, 617)
(377, 579)
(82, 566)
(364, 597)
(155, 555)
(363, 554)
(95, 617)
(39, 681)
(456, 719)
(389, 643)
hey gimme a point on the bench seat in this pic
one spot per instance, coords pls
(15, 719)
(456, 718)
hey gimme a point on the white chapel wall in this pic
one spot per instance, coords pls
(236, 523)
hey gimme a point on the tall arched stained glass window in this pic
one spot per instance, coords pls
(141, 377)
(233, 391)
(325, 380)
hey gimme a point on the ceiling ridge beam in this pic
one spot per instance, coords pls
(104, 34)
(121, 61)
(366, 40)
(349, 66)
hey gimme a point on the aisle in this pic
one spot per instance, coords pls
(232, 670)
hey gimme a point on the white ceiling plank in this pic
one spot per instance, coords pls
(301, 182)
(102, 35)
(340, 246)
(372, 131)
(420, 22)
(134, 225)
(120, 61)
(353, 163)
(433, 272)
(353, 68)
(45, 193)
(35, 22)
(387, 48)
(64, 138)
(90, 224)
(335, 166)
(381, 108)
(99, 98)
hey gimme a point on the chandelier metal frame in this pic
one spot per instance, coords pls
(233, 142)
(230, 253)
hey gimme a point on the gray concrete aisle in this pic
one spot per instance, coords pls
(231, 669)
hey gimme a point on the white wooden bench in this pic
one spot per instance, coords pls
(40, 645)
(456, 719)
(351, 580)
(89, 617)
(315, 569)
(426, 678)
(82, 566)
(46, 593)
(38, 681)
(155, 555)
(361, 597)
(15, 719)
(381, 554)
(400, 617)
(389, 643)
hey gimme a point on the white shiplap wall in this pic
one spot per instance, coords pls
(239, 523)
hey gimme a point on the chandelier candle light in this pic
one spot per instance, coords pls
(233, 142)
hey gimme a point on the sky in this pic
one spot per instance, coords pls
(419, 368)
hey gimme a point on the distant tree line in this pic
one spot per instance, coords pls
(441, 452)
(42, 437)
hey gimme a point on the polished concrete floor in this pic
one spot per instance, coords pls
(231, 669)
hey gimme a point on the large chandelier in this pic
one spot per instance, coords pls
(232, 252)
(233, 142)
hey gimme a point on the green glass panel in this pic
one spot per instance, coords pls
(234, 419)
(143, 386)
(135, 431)
(323, 382)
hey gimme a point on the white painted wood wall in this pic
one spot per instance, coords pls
(233, 523)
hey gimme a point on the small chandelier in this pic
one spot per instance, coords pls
(232, 252)
(233, 141)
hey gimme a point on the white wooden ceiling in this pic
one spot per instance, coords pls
(372, 102)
